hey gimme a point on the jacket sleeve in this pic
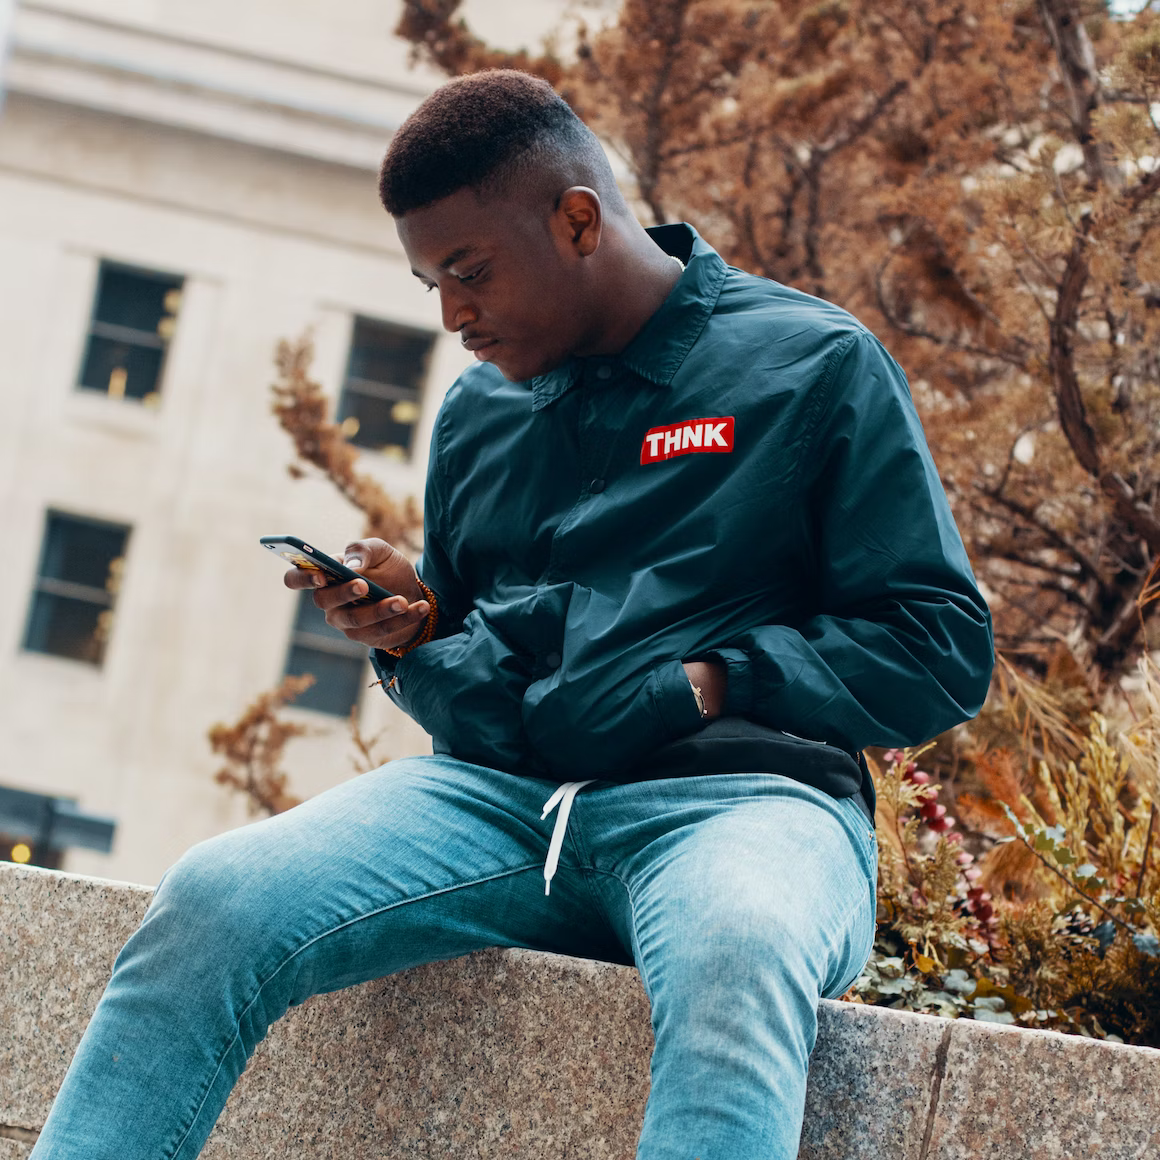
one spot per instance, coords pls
(467, 672)
(900, 645)
(434, 567)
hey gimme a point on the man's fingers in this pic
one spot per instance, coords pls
(380, 625)
(298, 578)
(343, 615)
(336, 595)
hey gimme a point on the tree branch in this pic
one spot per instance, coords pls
(1061, 357)
(1073, 51)
(1137, 514)
(1056, 537)
(909, 328)
(651, 163)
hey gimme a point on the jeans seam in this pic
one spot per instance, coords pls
(637, 952)
(873, 925)
(295, 953)
(871, 845)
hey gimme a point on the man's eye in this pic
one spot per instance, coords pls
(470, 277)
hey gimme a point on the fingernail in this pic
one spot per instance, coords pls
(317, 581)
(353, 561)
(360, 588)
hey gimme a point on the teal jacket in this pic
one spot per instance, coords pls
(747, 481)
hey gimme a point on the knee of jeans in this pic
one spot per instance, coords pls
(737, 996)
(733, 965)
(210, 895)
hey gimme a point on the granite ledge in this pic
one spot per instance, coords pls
(422, 1064)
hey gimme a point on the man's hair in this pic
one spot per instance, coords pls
(493, 132)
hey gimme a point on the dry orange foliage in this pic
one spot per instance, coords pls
(974, 179)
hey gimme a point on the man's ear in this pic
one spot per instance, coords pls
(580, 219)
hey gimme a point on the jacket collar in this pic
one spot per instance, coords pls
(658, 350)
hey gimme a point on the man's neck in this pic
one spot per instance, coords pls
(635, 278)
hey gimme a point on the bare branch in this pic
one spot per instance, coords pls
(1030, 516)
(1136, 513)
(650, 164)
(1061, 357)
(1063, 20)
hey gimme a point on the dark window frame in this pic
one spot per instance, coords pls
(131, 337)
(330, 644)
(38, 622)
(359, 389)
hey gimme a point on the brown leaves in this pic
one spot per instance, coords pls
(252, 748)
(434, 33)
(965, 180)
(302, 409)
(1054, 923)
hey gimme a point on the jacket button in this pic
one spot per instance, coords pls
(604, 372)
(552, 660)
(596, 486)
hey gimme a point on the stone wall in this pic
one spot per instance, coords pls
(514, 1054)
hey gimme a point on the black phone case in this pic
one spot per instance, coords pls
(303, 555)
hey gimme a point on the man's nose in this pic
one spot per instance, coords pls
(457, 311)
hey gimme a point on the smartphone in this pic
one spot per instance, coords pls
(302, 555)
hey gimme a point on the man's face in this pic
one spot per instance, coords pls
(505, 273)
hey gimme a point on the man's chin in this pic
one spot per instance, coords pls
(517, 370)
(519, 361)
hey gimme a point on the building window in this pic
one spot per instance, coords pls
(338, 665)
(379, 406)
(134, 317)
(81, 562)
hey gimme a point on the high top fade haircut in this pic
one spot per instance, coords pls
(493, 132)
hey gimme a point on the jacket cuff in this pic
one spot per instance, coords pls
(738, 680)
(383, 664)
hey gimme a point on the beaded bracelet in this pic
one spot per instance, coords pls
(428, 629)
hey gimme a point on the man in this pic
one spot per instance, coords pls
(686, 554)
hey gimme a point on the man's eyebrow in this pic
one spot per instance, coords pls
(450, 260)
(456, 256)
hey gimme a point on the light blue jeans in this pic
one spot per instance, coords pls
(741, 898)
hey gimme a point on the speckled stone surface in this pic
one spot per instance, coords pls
(517, 1055)
(1053, 1096)
(59, 935)
(870, 1084)
(502, 1054)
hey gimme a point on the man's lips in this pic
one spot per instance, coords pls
(477, 342)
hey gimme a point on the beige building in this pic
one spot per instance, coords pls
(182, 184)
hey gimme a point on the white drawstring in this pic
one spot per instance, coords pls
(563, 797)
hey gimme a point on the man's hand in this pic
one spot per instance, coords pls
(710, 678)
(390, 623)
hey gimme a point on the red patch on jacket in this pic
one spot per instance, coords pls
(685, 438)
